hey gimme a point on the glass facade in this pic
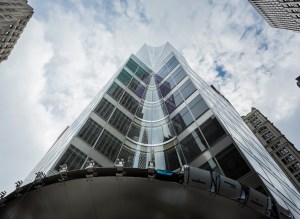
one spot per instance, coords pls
(156, 108)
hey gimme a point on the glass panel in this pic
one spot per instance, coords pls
(198, 106)
(104, 109)
(134, 132)
(232, 163)
(132, 65)
(120, 121)
(182, 120)
(129, 103)
(108, 145)
(115, 91)
(124, 77)
(187, 89)
(90, 132)
(212, 130)
(73, 157)
(167, 86)
(178, 75)
(171, 158)
(193, 145)
(136, 87)
(211, 166)
(174, 101)
(162, 74)
(172, 63)
(127, 155)
(141, 73)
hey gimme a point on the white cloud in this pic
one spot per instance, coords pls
(70, 49)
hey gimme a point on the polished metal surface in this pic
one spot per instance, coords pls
(123, 197)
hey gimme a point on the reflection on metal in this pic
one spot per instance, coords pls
(135, 196)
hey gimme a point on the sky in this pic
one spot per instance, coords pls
(71, 48)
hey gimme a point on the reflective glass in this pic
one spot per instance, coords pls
(115, 91)
(136, 87)
(172, 63)
(124, 77)
(171, 158)
(132, 65)
(120, 121)
(212, 130)
(198, 106)
(187, 89)
(73, 157)
(162, 73)
(104, 109)
(182, 120)
(90, 132)
(193, 145)
(178, 75)
(142, 74)
(108, 145)
(129, 103)
(127, 155)
(173, 101)
(232, 163)
(134, 132)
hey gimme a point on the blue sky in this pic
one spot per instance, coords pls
(70, 49)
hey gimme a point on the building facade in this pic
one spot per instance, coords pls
(284, 14)
(157, 110)
(280, 148)
(14, 15)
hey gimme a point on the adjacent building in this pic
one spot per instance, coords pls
(156, 113)
(280, 148)
(284, 14)
(14, 15)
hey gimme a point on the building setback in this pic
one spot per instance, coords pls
(284, 14)
(14, 15)
(157, 115)
(280, 148)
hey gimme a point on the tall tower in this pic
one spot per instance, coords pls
(14, 15)
(279, 147)
(156, 112)
(282, 14)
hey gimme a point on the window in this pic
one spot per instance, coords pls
(115, 91)
(198, 106)
(142, 74)
(211, 166)
(129, 103)
(73, 158)
(288, 159)
(120, 121)
(297, 176)
(136, 87)
(108, 145)
(90, 132)
(282, 152)
(232, 163)
(262, 130)
(104, 109)
(294, 167)
(178, 75)
(171, 159)
(132, 65)
(182, 120)
(167, 86)
(212, 130)
(127, 155)
(193, 145)
(173, 101)
(124, 77)
(187, 89)
(172, 63)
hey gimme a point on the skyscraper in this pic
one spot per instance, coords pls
(279, 147)
(157, 113)
(282, 14)
(14, 15)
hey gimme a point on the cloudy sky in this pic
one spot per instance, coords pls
(70, 49)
